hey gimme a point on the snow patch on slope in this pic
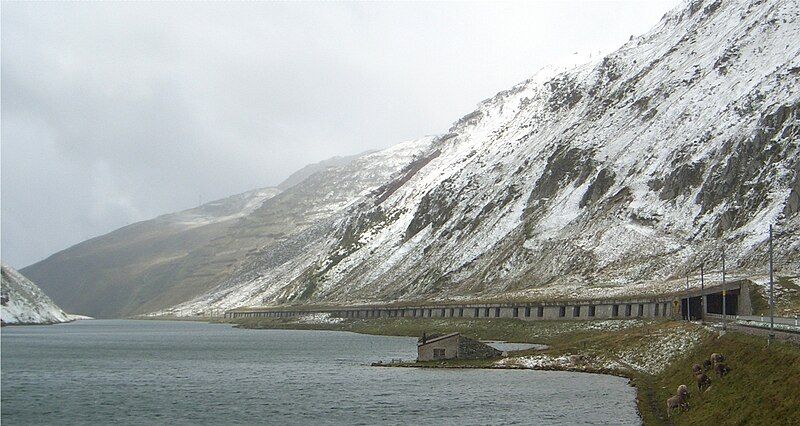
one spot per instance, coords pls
(223, 210)
(24, 303)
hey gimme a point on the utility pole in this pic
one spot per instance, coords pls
(688, 307)
(724, 295)
(702, 293)
(771, 293)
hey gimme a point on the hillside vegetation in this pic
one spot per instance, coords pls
(761, 389)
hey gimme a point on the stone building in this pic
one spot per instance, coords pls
(452, 346)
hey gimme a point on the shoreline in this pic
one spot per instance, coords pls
(655, 356)
(29, 324)
(633, 379)
(604, 372)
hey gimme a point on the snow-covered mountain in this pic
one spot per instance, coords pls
(24, 303)
(615, 177)
(158, 263)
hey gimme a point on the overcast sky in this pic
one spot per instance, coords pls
(118, 112)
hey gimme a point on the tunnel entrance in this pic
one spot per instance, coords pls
(714, 302)
(695, 307)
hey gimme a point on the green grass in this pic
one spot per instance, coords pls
(763, 387)
(505, 329)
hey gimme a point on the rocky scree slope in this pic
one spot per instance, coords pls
(616, 177)
(25, 303)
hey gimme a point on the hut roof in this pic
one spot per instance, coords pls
(436, 338)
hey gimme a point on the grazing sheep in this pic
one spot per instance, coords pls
(696, 368)
(721, 369)
(702, 381)
(674, 402)
(707, 364)
(715, 358)
(577, 359)
(679, 400)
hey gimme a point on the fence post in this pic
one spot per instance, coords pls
(702, 293)
(771, 294)
(724, 294)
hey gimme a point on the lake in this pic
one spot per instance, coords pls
(145, 372)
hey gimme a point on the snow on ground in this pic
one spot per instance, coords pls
(233, 207)
(612, 325)
(651, 355)
(662, 346)
(77, 317)
(319, 318)
(561, 362)
(536, 361)
(26, 312)
(777, 325)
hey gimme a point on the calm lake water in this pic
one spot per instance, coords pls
(155, 372)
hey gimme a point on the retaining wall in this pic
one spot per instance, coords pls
(665, 306)
(658, 308)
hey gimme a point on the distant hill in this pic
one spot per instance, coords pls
(164, 261)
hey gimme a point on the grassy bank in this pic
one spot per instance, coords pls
(507, 329)
(656, 355)
(762, 387)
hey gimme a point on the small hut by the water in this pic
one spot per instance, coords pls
(452, 346)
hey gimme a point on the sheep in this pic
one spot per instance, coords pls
(721, 369)
(577, 359)
(707, 364)
(674, 402)
(696, 368)
(719, 364)
(702, 381)
(679, 400)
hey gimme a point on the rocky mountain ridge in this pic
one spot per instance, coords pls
(23, 303)
(616, 177)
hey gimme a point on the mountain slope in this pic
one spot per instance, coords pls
(613, 178)
(321, 166)
(163, 260)
(24, 303)
(157, 263)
